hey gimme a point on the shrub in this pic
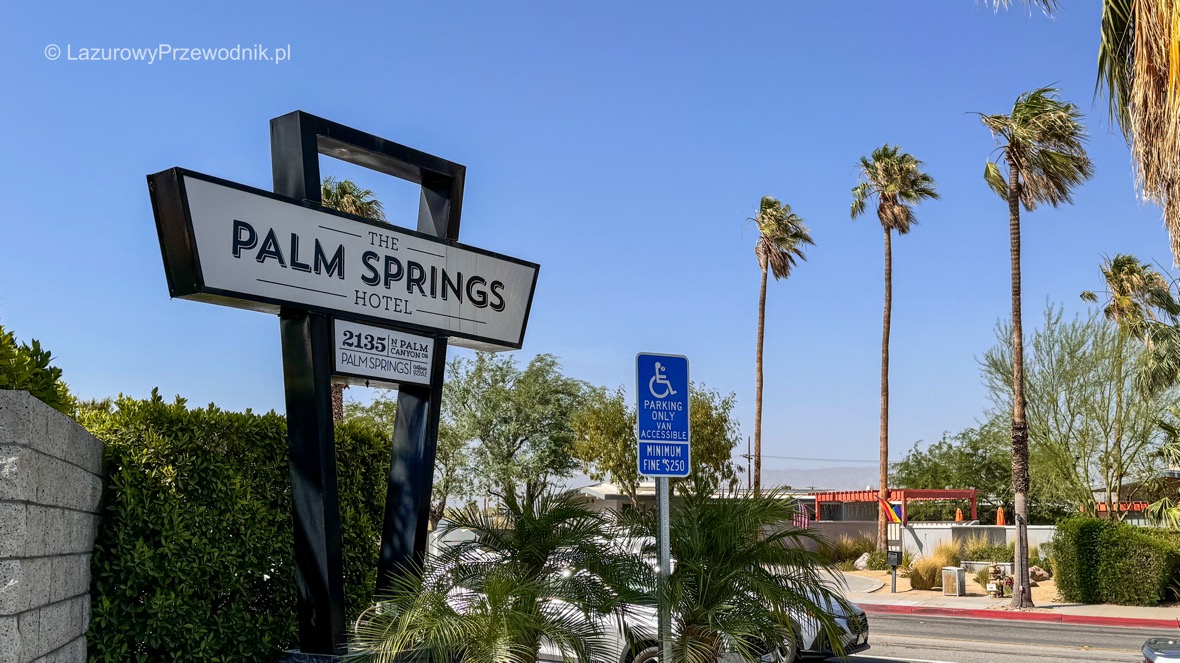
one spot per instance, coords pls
(847, 565)
(194, 557)
(1097, 561)
(949, 553)
(850, 548)
(926, 572)
(979, 548)
(982, 577)
(1076, 558)
(878, 561)
(1135, 568)
(26, 367)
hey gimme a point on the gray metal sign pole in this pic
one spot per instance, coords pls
(663, 540)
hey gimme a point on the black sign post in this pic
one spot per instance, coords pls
(297, 140)
(224, 243)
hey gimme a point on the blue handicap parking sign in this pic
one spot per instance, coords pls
(663, 414)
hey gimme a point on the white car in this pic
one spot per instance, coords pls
(854, 637)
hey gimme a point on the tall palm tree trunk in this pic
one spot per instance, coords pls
(757, 459)
(1021, 591)
(882, 523)
(1113, 496)
(338, 402)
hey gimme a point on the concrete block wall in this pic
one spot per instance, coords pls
(50, 486)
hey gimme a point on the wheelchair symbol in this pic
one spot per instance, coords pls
(660, 379)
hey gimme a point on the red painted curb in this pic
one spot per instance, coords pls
(1014, 615)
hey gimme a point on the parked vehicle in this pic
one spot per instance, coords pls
(1161, 650)
(642, 646)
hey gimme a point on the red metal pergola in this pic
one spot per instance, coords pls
(903, 495)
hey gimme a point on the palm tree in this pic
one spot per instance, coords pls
(347, 196)
(542, 571)
(1138, 65)
(1041, 144)
(896, 179)
(781, 238)
(1135, 293)
(742, 575)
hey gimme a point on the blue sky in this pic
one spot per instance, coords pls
(619, 145)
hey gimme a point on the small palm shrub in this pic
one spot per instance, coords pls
(740, 570)
(540, 571)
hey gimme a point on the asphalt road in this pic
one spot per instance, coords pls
(909, 639)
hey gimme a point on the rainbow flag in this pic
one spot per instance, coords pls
(890, 514)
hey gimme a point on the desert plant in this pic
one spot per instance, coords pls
(979, 548)
(878, 561)
(740, 569)
(847, 565)
(926, 572)
(982, 577)
(536, 571)
(850, 547)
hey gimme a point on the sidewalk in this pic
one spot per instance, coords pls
(984, 607)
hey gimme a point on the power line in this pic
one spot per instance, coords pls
(824, 460)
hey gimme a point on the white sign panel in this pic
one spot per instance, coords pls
(365, 353)
(257, 250)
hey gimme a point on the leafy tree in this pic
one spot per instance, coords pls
(742, 574)
(896, 180)
(604, 434)
(781, 238)
(1088, 424)
(27, 367)
(452, 460)
(517, 420)
(547, 570)
(979, 458)
(1041, 144)
(347, 196)
(1135, 292)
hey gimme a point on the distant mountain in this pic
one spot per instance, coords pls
(829, 478)
(826, 478)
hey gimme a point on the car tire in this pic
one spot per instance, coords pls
(790, 650)
(647, 655)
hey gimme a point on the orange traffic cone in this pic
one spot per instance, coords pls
(1000, 517)
(958, 515)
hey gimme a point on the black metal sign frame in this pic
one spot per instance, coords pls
(297, 140)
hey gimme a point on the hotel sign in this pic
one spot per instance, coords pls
(230, 244)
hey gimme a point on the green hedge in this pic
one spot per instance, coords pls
(26, 367)
(1096, 561)
(194, 555)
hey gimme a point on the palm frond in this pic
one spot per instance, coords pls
(347, 196)
(782, 236)
(1043, 139)
(995, 179)
(1046, 6)
(897, 181)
